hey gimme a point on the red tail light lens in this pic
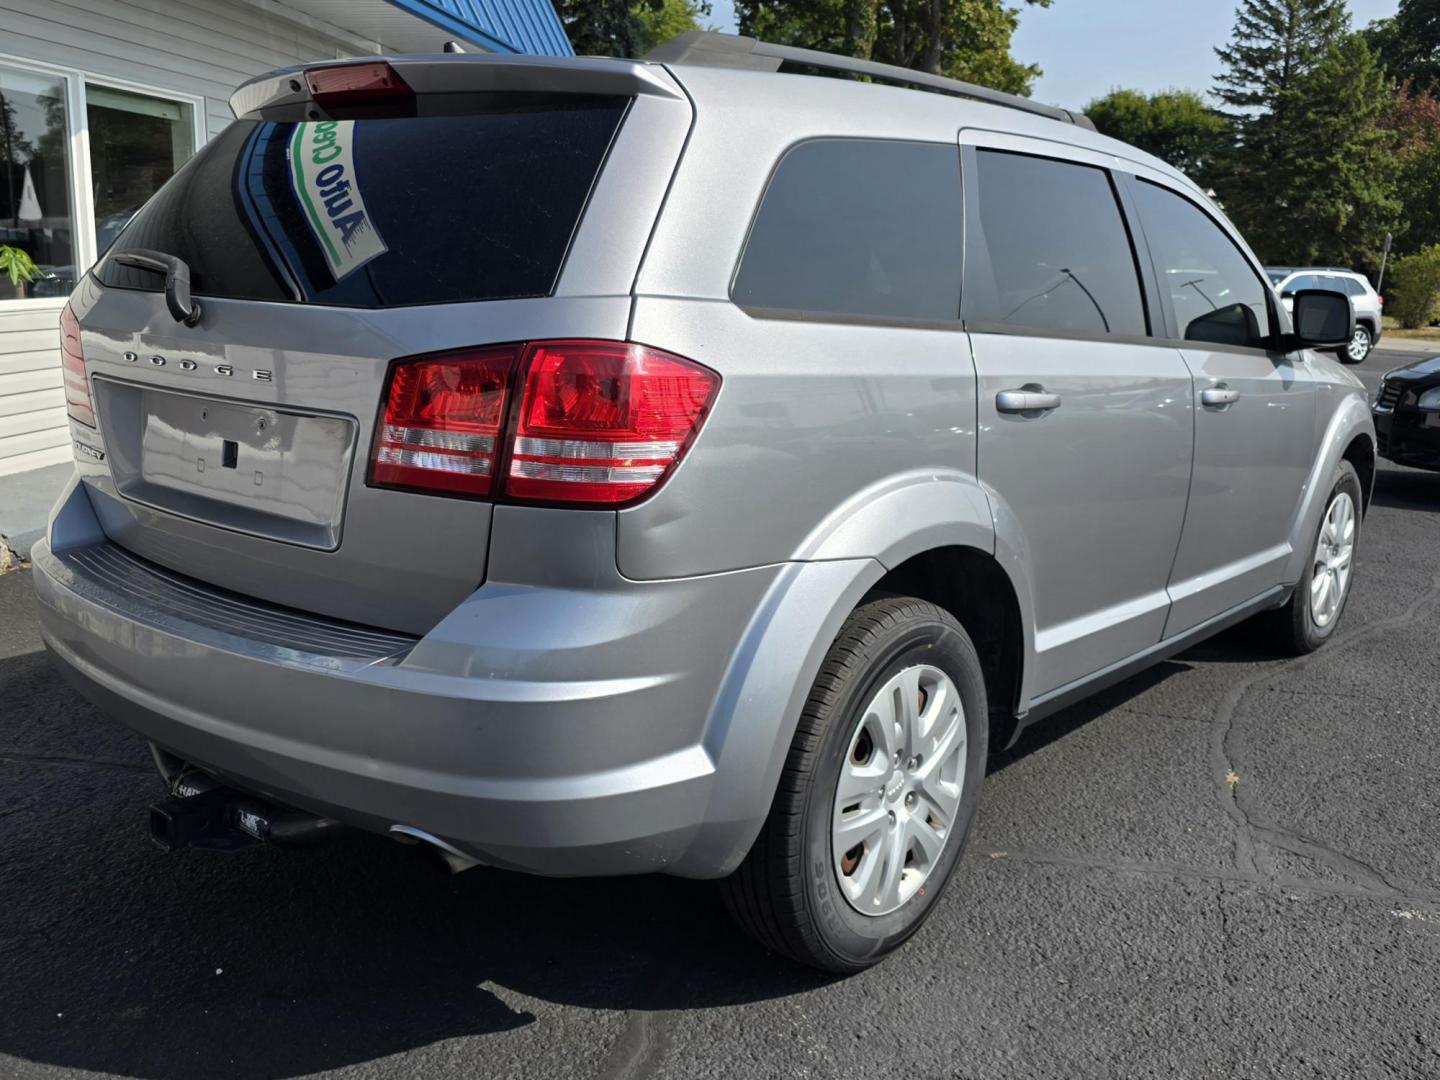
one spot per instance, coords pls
(603, 422)
(599, 423)
(72, 362)
(442, 422)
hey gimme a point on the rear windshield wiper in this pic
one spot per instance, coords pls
(177, 280)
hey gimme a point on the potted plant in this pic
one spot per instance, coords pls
(19, 267)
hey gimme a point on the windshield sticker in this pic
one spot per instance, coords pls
(322, 172)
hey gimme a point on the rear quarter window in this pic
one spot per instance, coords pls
(855, 228)
(466, 205)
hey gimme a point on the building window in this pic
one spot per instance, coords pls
(54, 222)
(137, 142)
(36, 217)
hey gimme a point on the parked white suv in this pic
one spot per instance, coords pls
(1288, 280)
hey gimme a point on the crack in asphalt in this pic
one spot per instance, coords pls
(1179, 872)
(1234, 798)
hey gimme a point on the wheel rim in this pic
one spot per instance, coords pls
(1359, 344)
(899, 790)
(1334, 554)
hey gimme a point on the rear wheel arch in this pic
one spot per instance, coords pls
(973, 587)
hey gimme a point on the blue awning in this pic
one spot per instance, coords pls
(516, 26)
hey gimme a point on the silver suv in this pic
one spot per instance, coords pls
(1288, 280)
(592, 466)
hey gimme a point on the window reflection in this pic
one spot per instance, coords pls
(137, 142)
(35, 212)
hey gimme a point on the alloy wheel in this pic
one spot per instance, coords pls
(899, 790)
(1359, 346)
(1334, 555)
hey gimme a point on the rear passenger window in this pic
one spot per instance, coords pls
(1216, 295)
(858, 228)
(1351, 286)
(1059, 255)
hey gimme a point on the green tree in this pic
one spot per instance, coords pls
(668, 19)
(1310, 175)
(1414, 124)
(1409, 43)
(964, 39)
(1273, 44)
(1331, 189)
(1174, 125)
(1414, 290)
(627, 27)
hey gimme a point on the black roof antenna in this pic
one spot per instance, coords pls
(453, 47)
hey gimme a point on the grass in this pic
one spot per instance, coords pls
(1423, 333)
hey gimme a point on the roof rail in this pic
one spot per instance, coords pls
(710, 49)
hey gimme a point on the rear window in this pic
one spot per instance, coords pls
(860, 229)
(380, 212)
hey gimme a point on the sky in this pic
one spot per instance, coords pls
(1089, 47)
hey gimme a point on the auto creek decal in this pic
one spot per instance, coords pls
(322, 172)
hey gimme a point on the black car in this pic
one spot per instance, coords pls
(1407, 415)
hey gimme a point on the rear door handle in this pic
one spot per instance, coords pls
(1219, 396)
(1028, 399)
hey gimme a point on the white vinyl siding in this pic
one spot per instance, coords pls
(199, 50)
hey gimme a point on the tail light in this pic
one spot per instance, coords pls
(599, 423)
(603, 422)
(1381, 299)
(441, 427)
(72, 363)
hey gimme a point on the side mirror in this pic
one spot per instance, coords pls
(1323, 319)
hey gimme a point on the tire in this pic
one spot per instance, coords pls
(1297, 626)
(1361, 342)
(794, 892)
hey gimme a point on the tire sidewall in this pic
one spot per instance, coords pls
(1347, 480)
(851, 936)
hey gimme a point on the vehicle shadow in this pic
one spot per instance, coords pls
(1407, 489)
(117, 958)
(276, 962)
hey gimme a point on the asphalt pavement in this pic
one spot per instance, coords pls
(1228, 866)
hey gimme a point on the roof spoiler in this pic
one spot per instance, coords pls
(710, 49)
(443, 73)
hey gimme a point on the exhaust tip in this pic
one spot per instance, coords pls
(454, 858)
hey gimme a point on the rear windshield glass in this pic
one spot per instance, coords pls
(380, 212)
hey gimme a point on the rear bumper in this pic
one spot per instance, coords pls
(559, 731)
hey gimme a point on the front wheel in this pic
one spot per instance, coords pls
(1314, 609)
(878, 792)
(1359, 347)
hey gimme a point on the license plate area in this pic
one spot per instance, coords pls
(277, 473)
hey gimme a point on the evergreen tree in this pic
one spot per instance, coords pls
(1274, 43)
(1332, 185)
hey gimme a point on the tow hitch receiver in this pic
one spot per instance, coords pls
(204, 814)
